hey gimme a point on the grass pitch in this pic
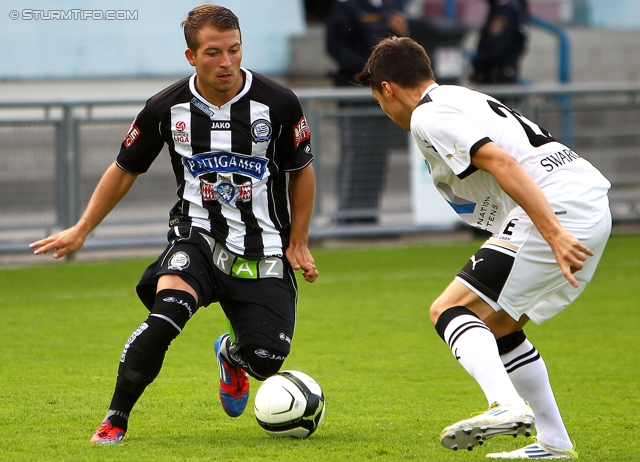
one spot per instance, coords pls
(363, 333)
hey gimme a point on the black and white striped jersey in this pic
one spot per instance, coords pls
(230, 162)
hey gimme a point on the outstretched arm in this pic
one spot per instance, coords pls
(518, 184)
(113, 186)
(302, 189)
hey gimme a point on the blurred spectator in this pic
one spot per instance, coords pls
(354, 27)
(316, 10)
(502, 43)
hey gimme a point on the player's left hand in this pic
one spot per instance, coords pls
(570, 254)
(300, 258)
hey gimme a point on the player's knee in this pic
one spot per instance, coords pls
(145, 350)
(261, 363)
(174, 306)
(438, 307)
(510, 342)
(448, 315)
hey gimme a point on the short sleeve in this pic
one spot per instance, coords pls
(142, 143)
(295, 140)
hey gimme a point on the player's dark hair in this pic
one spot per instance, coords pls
(215, 16)
(400, 60)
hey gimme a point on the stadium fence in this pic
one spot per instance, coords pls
(55, 152)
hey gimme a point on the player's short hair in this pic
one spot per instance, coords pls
(215, 16)
(400, 60)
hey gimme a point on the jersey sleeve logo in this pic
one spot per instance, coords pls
(131, 136)
(301, 132)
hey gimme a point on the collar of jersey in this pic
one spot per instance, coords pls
(433, 86)
(247, 84)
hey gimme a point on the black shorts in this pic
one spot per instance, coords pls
(258, 297)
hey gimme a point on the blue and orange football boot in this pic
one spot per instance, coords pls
(107, 434)
(234, 381)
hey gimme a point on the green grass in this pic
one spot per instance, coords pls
(363, 333)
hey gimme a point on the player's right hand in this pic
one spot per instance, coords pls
(301, 259)
(570, 254)
(62, 243)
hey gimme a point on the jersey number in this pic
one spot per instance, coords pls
(536, 139)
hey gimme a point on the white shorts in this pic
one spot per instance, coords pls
(516, 270)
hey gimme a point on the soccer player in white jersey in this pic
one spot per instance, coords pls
(549, 214)
(240, 149)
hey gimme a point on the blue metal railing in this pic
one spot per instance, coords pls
(450, 10)
(564, 73)
(564, 47)
(564, 62)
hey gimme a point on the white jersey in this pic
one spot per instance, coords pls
(451, 123)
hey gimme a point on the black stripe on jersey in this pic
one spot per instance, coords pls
(176, 164)
(241, 122)
(241, 143)
(489, 273)
(200, 131)
(279, 206)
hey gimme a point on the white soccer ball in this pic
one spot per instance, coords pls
(289, 403)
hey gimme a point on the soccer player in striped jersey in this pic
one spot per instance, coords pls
(548, 212)
(239, 145)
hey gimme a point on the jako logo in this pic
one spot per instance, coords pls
(135, 335)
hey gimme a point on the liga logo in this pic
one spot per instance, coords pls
(301, 132)
(179, 135)
(131, 136)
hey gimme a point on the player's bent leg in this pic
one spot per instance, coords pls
(528, 372)
(457, 294)
(260, 362)
(502, 324)
(474, 346)
(234, 382)
(142, 359)
(236, 364)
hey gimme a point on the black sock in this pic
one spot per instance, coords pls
(118, 419)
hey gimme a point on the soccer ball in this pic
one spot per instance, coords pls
(289, 403)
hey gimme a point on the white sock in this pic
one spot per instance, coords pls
(528, 373)
(475, 348)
